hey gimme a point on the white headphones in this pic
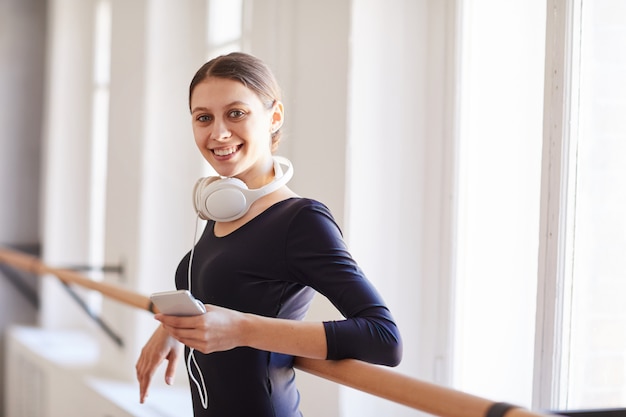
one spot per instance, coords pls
(227, 199)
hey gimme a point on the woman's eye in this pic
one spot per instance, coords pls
(236, 114)
(204, 118)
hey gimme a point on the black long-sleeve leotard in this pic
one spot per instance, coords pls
(271, 266)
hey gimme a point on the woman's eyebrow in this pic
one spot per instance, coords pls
(199, 108)
(231, 104)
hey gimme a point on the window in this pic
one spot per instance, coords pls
(581, 331)
(500, 141)
(593, 366)
(580, 354)
(224, 26)
(99, 143)
(99, 127)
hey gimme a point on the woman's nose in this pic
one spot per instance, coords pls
(219, 130)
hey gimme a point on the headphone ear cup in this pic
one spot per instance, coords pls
(219, 198)
(197, 194)
(227, 199)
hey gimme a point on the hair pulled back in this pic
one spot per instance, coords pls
(248, 70)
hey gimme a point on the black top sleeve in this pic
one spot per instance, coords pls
(317, 255)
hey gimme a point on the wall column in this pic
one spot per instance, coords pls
(401, 176)
(22, 54)
(157, 47)
(66, 167)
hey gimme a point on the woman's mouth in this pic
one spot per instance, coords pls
(226, 151)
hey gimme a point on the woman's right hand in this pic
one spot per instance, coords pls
(160, 347)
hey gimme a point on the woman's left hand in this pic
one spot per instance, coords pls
(216, 330)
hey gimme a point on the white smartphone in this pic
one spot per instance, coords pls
(177, 303)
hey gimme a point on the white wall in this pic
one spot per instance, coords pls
(66, 143)
(400, 176)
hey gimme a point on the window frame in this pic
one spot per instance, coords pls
(556, 222)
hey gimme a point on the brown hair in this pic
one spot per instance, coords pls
(248, 70)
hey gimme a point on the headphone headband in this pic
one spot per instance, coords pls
(227, 199)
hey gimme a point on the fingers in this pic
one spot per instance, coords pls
(144, 375)
(147, 365)
(159, 348)
(188, 337)
(180, 322)
(170, 371)
(216, 330)
(190, 331)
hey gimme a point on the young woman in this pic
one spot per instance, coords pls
(257, 273)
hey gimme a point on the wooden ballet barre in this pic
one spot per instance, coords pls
(430, 398)
(380, 381)
(34, 265)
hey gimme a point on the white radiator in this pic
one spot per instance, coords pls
(50, 374)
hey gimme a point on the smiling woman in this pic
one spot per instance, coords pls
(231, 125)
(257, 272)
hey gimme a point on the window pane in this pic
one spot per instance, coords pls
(224, 22)
(596, 366)
(499, 183)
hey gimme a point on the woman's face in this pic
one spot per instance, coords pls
(232, 129)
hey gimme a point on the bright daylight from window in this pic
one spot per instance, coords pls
(594, 374)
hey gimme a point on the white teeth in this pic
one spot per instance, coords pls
(224, 152)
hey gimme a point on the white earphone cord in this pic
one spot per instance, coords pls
(202, 392)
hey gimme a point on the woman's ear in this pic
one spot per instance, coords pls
(278, 114)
